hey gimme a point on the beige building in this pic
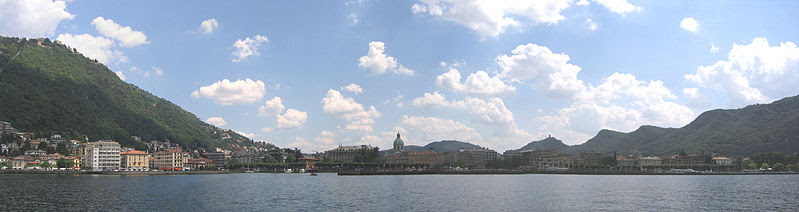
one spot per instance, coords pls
(170, 160)
(100, 155)
(724, 161)
(650, 161)
(135, 161)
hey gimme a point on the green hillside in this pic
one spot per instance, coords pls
(50, 89)
(741, 132)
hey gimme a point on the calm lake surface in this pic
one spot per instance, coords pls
(326, 192)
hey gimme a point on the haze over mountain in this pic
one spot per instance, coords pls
(49, 89)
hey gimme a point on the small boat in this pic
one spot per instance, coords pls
(313, 173)
(289, 171)
(249, 171)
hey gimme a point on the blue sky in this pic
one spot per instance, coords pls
(315, 75)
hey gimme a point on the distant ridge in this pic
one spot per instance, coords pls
(756, 128)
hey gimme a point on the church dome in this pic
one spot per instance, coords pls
(398, 143)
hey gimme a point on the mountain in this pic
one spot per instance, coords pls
(756, 128)
(48, 88)
(438, 146)
(547, 143)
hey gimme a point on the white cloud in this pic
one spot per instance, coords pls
(245, 134)
(353, 88)
(379, 62)
(347, 109)
(208, 26)
(619, 6)
(99, 47)
(491, 18)
(583, 3)
(271, 107)
(557, 76)
(713, 48)
(591, 24)
(753, 73)
(435, 99)
(621, 103)
(476, 83)
(158, 71)
(695, 99)
(121, 75)
(291, 119)
(397, 100)
(689, 24)
(434, 129)
(353, 18)
(226, 92)
(216, 121)
(126, 36)
(248, 47)
(32, 18)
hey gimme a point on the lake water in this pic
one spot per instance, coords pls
(329, 192)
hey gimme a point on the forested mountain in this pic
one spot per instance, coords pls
(49, 88)
(757, 128)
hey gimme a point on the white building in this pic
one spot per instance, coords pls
(724, 161)
(650, 161)
(101, 156)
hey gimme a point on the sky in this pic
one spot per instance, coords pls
(316, 75)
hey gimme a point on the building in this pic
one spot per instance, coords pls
(100, 156)
(171, 160)
(35, 152)
(200, 163)
(219, 159)
(346, 153)
(20, 162)
(477, 157)
(650, 161)
(724, 161)
(399, 145)
(135, 161)
(511, 154)
(546, 158)
(590, 158)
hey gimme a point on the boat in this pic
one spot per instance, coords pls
(249, 171)
(302, 170)
(289, 171)
(313, 173)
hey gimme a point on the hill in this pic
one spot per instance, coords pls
(757, 128)
(49, 88)
(438, 146)
(547, 143)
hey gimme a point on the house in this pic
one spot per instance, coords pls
(724, 161)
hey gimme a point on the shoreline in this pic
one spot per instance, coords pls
(518, 172)
(120, 173)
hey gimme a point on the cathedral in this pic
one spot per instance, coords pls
(398, 144)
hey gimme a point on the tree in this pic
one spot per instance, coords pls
(779, 166)
(45, 165)
(42, 146)
(764, 166)
(61, 148)
(64, 163)
(752, 166)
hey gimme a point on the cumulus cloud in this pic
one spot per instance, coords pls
(158, 71)
(121, 75)
(713, 48)
(695, 98)
(291, 119)
(621, 7)
(689, 24)
(379, 62)
(248, 47)
(476, 83)
(557, 77)
(492, 18)
(434, 129)
(126, 36)
(590, 24)
(226, 92)
(95, 47)
(246, 134)
(208, 26)
(32, 18)
(621, 103)
(271, 107)
(353, 88)
(346, 108)
(216, 121)
(753, 73)
(582, 3)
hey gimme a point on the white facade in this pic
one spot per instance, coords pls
(101, 156)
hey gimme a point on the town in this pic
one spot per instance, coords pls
(25, 152)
